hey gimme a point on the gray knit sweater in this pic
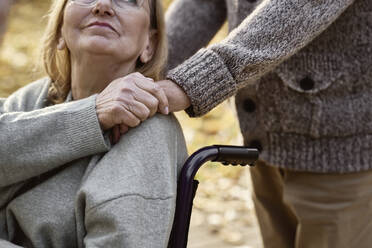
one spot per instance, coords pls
(301, 70)
(122, 197)
(63, 132)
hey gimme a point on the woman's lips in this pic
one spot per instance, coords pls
(102, 24)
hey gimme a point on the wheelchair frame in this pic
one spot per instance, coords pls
(187, 185)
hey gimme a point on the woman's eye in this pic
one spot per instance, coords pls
(131, 2)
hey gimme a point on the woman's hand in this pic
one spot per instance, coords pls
(127, 101)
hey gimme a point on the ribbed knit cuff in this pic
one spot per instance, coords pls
(83, 128)
(206, 81)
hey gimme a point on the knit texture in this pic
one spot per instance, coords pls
(309, 62)
(122, 197)
(36, 139)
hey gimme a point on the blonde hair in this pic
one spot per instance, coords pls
(57, 64)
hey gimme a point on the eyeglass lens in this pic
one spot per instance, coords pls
(118, 3)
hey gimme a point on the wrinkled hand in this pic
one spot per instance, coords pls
(177, 98)
(127, 101)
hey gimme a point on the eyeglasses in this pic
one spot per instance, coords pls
(121, 4)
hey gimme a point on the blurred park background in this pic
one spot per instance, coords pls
(223, 213)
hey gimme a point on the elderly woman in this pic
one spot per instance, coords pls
(126, 196)
(20, 125)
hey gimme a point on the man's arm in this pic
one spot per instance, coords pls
(272, 33)
(190, 25)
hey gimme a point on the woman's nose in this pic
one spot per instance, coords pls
(103, 7)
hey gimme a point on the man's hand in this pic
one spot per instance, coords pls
(177, 98)
(127, 101)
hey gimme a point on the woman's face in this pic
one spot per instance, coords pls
(104, 28)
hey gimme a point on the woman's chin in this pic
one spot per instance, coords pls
(98, 45)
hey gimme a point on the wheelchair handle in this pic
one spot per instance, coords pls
(187, 185)
(236, 155)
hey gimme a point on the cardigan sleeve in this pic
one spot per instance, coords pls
(186, 16)
(274, 31)
(33, 142)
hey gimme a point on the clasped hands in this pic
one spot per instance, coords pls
(129, 100)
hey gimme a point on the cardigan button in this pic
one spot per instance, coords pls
(255, 144)
(249, 105)
(307, 83)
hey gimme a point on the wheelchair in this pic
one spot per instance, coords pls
(187, 185)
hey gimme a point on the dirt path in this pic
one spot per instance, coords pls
(223, 215)
(201, 237)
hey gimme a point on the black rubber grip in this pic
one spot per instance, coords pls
(236, 155)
